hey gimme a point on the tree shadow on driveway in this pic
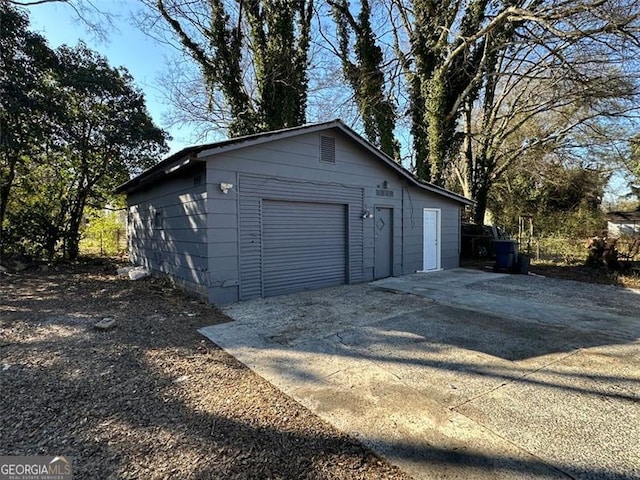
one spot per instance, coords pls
(558, 391)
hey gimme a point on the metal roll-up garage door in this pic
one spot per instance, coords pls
(304, 246)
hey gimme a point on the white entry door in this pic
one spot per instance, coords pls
(431, 239)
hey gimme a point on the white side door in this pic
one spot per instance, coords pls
(431, 239)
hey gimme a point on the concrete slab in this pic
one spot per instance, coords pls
(587, 424)
(460, 374)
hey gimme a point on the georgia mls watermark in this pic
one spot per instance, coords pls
(35, 468)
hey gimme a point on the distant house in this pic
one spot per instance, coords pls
(285, 211)
(623, 223)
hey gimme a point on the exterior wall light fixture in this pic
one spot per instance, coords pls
(225, 187)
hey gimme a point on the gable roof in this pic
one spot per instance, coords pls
(198, 153)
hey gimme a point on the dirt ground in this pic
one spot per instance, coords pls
(578, 273)
(150, 398)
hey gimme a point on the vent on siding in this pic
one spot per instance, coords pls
(384, 193)
(327, 149)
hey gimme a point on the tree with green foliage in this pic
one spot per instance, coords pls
(105, 232)
(253, 56)
(71, 132)
(561, 198)
(632, 164)
(105, 135)
(366, 75)
(37, 214)
(26, 66)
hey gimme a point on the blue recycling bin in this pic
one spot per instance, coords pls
(506, 254)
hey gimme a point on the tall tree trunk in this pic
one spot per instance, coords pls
(366, 75)
(72, 236)
(418, 130)
(481, 197)
(436, 111)
(278, 42)
(5, 190)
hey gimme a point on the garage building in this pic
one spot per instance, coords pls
(279, 212)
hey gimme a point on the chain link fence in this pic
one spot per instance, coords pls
(108, 242)
(573, 251)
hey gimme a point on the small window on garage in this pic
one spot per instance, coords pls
(327, 149)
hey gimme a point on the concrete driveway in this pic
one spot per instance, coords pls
(461, 373)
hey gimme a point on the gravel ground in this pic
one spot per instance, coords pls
(150, 398)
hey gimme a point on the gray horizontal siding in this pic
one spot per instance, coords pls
(292, 159)
(291, 169)
(413, 230)
(175, 265)
(217, 238)
(178, 245)
(282, 188)
(298, 161)
(193, 249)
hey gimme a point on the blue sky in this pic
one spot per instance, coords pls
(125, 46)
(145, 58)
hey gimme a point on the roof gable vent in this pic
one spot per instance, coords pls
(327, 149)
